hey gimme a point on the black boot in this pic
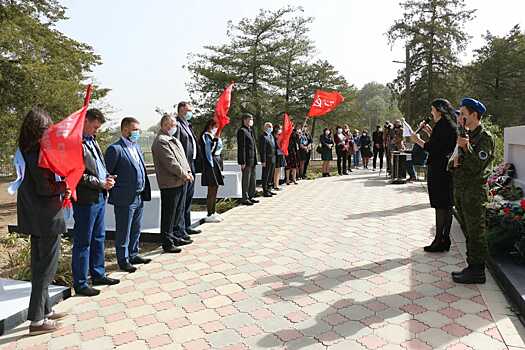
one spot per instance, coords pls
(473, 274)
(442, 241)
(439, 245)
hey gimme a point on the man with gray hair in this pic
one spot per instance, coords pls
(173, 173)
(268, 155)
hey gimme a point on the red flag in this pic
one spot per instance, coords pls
(325, 102)
(284, 138)
(61, 147)
(222, 107)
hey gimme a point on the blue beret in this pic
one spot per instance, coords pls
(474, 104)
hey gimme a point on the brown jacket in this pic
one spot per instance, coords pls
(171, 165)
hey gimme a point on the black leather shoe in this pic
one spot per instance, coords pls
(105, 281)
(128, 268)
(267, 194)
(87, 292)
(254, 201)
(474, 274)
(139, 260)
(438, 246)
(172, 250)
(246, 202)
(178, 242)
(276, 189)
(187, 238)
(457, 273)
(273, 193)
(193, 231)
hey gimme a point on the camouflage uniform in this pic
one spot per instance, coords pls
(470, 192)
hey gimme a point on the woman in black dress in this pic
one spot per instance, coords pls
(439, 147)
(280, 161)
(326, 143)
(211, 144)
(292, 159)
(365, 143)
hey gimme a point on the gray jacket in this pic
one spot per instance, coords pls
(171, 164)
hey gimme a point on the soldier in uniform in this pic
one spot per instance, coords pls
(470, 172)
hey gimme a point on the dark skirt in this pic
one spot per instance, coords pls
(366, 152)
(326, 153)
(281, 161)
(440, 188)
(304, 155)
(292, 161)
(212, 176)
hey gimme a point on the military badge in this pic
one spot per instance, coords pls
(483, 155)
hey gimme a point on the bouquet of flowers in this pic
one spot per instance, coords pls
(505, 212)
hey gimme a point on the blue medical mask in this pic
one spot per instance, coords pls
(134, 136)
(172, 131)
(269, 130)
(189, 115)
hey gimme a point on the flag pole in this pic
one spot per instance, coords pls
(87, 98)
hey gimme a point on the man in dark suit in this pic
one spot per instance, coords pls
(89, 232)
(247, 159)
(268, 154)
(189, 142)
(124, 159)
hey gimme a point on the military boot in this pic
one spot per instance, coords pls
(473, 274)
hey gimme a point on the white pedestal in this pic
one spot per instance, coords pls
(515, 151)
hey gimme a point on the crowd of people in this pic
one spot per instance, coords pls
(457, 165)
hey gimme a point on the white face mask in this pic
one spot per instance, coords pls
(214, 130)
(172, 131)
(250, 123)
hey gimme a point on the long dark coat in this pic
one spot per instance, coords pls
(439, 147)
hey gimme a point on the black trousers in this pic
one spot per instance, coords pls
(342, 159)
(378, 152)
(190, 190)
(306, 162)
(248, 182)
(44, 263)
(267, 176)
(172, 205)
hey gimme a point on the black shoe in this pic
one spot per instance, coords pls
(254, 201)
(87, 292)
(178, 242)
(127, 267)
(105, 281)
(267, 194)
(246, 202)
(457, 273)
(139, 260)
(172, 250)
(273, 193)
(187, 238)
(474, 274)
(193, 231)
(276, 189)
(438, 246)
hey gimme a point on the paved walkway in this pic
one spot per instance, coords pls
(334, 263)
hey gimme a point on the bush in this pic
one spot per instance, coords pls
(497, 132)
(225, 204)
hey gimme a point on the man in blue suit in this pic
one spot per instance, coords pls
(125, 160)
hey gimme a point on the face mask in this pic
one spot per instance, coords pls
(327, 132)
(134, 136)
(364, 134)
(339, 131)
(279, 132)
(269, 130)
(172, 131)
(189, 115)
(214, 130)
(250, 123)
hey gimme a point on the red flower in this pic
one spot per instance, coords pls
(506, 211)
(522, 203)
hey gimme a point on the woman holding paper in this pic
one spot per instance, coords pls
(40, 215)
(439, 147)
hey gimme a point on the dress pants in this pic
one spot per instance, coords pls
(267, 175)
(172, 203)
(342, 158)
(248, 182)
(378, 152)
(89, 234)
(189, 191)
(128, 220)
(306, 162)
(44, 263)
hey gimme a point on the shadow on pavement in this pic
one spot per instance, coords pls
(389, 212)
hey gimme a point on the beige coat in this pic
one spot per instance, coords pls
(171, 165)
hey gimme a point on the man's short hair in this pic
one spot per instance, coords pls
(165, 118)
(246, 116)
(127, 122)
(95, 114)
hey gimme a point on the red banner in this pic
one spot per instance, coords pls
(284, 139)
(222, 107)
(61, 147)
(325, 102)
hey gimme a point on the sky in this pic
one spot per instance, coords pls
(144, 44)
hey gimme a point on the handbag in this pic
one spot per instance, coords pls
(319, 149)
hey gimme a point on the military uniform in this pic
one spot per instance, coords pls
(470, 195)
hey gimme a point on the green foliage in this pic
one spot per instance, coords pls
(433, 32)
(497, 77)
(225, 204)
(38, 66)
(497, 133)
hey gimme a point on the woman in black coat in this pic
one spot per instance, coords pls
(212, 165)
(439, 147)
(40, 215)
